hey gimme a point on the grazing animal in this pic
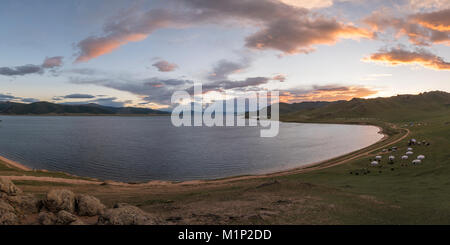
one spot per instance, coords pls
(404, 157)
(409, 149)
(417, 161)
(374, 163)
(420, 157)
(409, 153)
(378, 158)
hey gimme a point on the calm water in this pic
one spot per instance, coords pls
(150, 148)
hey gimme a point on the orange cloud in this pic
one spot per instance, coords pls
(421, 29)
(398, 56)
(93, 47)
(300, 34)
(326, 93)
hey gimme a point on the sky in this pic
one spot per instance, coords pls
(138, 53)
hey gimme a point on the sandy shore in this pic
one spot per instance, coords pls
(14, 164)
(305, 168)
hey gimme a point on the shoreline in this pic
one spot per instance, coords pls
(305, 168)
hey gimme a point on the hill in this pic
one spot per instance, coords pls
(395, 108)
(42, 108)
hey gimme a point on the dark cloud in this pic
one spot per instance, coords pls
(8, 97)
(21, 70)
(282, 27)
(222, 86)
(79, 96)
(400, 56)
(165, 66)
(225, 68)
(49, 63)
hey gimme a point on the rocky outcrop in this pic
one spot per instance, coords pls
(88, 205)
(8, 215)
(66, 218)
(125, 214)
(63, 207)
(47, 218)
(60, 199)
(8, 188)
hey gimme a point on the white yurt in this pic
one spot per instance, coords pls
(409, 153)
(374, 163)
(417, 161)
(378, 157)
(404, 157)
(420, 157)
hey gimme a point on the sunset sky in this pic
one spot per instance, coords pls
(137, 53)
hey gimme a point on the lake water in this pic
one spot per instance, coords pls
(150, 148)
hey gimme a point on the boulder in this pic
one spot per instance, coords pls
(65, 218)
(88, 205)
(8, 218)
(77, 222)
(7, 187)
(26, 203)
(60, 199)
(47, 218)
(5, 207)
(125, 214)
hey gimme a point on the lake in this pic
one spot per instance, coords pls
(150, 148)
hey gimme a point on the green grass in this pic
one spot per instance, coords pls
(413, 194)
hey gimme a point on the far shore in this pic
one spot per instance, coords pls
(382, 143)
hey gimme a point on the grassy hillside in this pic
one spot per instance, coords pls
(42, 108)
(394, 109)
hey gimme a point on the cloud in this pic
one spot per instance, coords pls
(8, 97)
(325, 93)
(438, 20)
(282, 27)
(222, 86)
(49, 63)
(20, 70)
(427, 4)
(164, 66)
(79, 96)
(52, 62)
(400, 56)
(225, 68)
(279, 77)
(421, 29)
(309, 4)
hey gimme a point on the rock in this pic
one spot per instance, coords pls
(88, 205)
(8, 218)
(7, 187)
(77, 222)
(65, 218)
(26, 203)
(47, 218)
(5, 207)
(60, 199)
(125, 214)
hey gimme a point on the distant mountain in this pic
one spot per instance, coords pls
(395, 108)
(285, 108)
(42, 108)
